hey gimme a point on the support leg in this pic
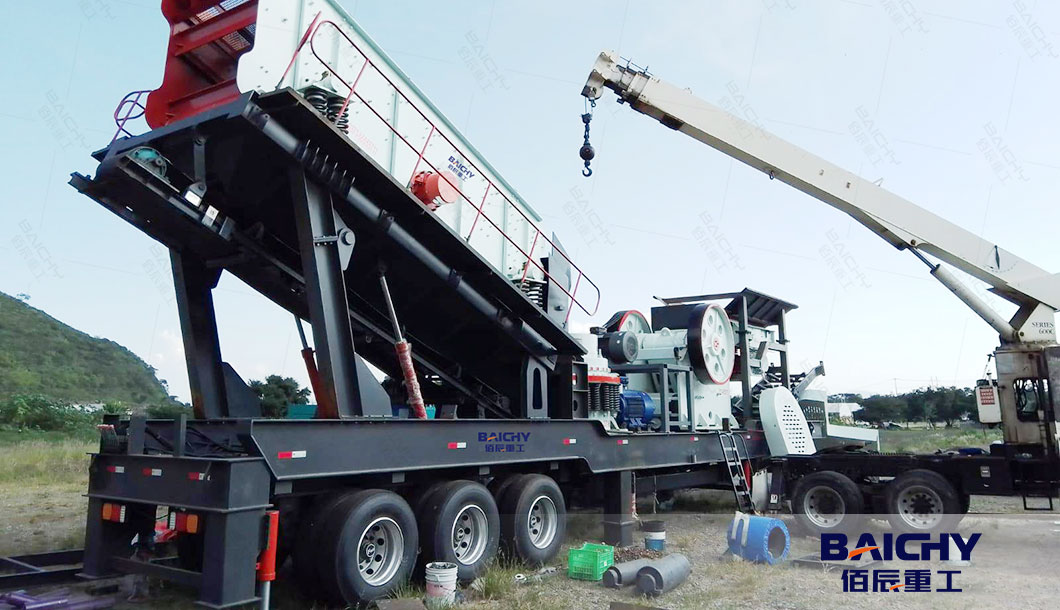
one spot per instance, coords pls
(326, 293)
(618, 508)
(198, 324)
(230, 552)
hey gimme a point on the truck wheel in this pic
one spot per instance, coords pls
(827, 501)
(366, 547)
(500, 485)
(922, 501)
(461, 525)
(306, 546)
(533, 519)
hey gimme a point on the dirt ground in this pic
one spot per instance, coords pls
(1015, 565)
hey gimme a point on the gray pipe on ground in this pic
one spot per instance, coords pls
(663, 575)
(623, 574)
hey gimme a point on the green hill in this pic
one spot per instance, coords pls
(41, 355)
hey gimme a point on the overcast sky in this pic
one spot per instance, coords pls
(943, 88)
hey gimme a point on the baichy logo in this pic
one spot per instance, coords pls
(903, 547)
(504, 442)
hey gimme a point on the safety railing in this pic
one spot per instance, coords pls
(129, 108)
(311, 35)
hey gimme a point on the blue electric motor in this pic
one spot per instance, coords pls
(635, 410)
(759, 539)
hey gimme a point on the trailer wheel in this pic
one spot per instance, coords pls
(922, 501)
(306, 546)
(367, 546)
(828, 501)
(461, 525)
(533, 519)
(500, 486)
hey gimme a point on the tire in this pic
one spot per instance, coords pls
(305, 550)
(922, 501)
(533, 519)
(461, 525)
(499, 486)
(826, 502)
(379, 522)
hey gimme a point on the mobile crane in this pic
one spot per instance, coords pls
(829, 491)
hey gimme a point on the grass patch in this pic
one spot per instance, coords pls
(926, 440)
(60, 461)
(498, 581)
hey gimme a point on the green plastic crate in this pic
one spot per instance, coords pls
(590, 561)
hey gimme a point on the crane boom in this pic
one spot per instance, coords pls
(900, 222)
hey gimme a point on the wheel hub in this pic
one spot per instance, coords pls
(824, 507)
(542, 521)
(920, 507)
(470, 534)
(381, 547)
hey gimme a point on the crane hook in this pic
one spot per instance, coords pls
(586, 152)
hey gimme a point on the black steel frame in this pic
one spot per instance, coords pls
(247, 464)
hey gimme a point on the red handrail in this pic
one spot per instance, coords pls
(312, 32)
(135, 109)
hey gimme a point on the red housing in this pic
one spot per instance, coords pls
(206, 39)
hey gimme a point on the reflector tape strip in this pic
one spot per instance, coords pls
(196, 476)
(695, 438)
(570, 441)
(291, 455)
(152, 472)
(623, 441)
(116, 469)
(460, 445)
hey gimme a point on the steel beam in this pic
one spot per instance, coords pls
(326, 294)
(194, 284)
(618, 508)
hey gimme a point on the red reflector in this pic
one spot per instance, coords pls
(291, 455)
(113, 512)
(570, 441)
(152, 472)
(196, 476)
(460, 445)
(187, 523)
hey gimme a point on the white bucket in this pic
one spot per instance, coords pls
(441, 583)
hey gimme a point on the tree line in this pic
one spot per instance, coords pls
(928, 405)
